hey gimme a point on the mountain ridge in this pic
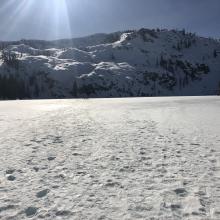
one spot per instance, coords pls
(144, 62)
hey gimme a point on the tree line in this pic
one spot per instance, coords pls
(11, 87)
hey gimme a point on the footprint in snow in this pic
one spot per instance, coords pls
(10, 171)
(51, 158)
(63, 213)
(30, 211)
(42, 193)
(36, 169)
(181, 192)
(11, 178)
(8, 207)
(175, 207)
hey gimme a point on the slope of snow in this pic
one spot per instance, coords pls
(136, 158)
(131, 63)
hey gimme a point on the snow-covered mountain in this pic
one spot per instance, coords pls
(129, 63)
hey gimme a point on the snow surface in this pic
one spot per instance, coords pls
(135, 158)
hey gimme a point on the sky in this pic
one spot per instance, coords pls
(56, 19)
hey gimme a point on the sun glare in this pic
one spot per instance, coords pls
(52, 15)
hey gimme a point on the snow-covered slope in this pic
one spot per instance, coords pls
(130, 63)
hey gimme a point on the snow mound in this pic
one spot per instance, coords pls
(75, 54)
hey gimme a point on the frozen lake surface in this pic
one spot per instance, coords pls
(97, 159)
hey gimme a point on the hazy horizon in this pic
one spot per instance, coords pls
(97, 33)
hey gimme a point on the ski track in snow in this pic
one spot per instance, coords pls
(137, 158)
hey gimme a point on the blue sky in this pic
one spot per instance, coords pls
(54, 19)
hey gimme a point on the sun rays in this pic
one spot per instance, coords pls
(52, 16)
(61, 17)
